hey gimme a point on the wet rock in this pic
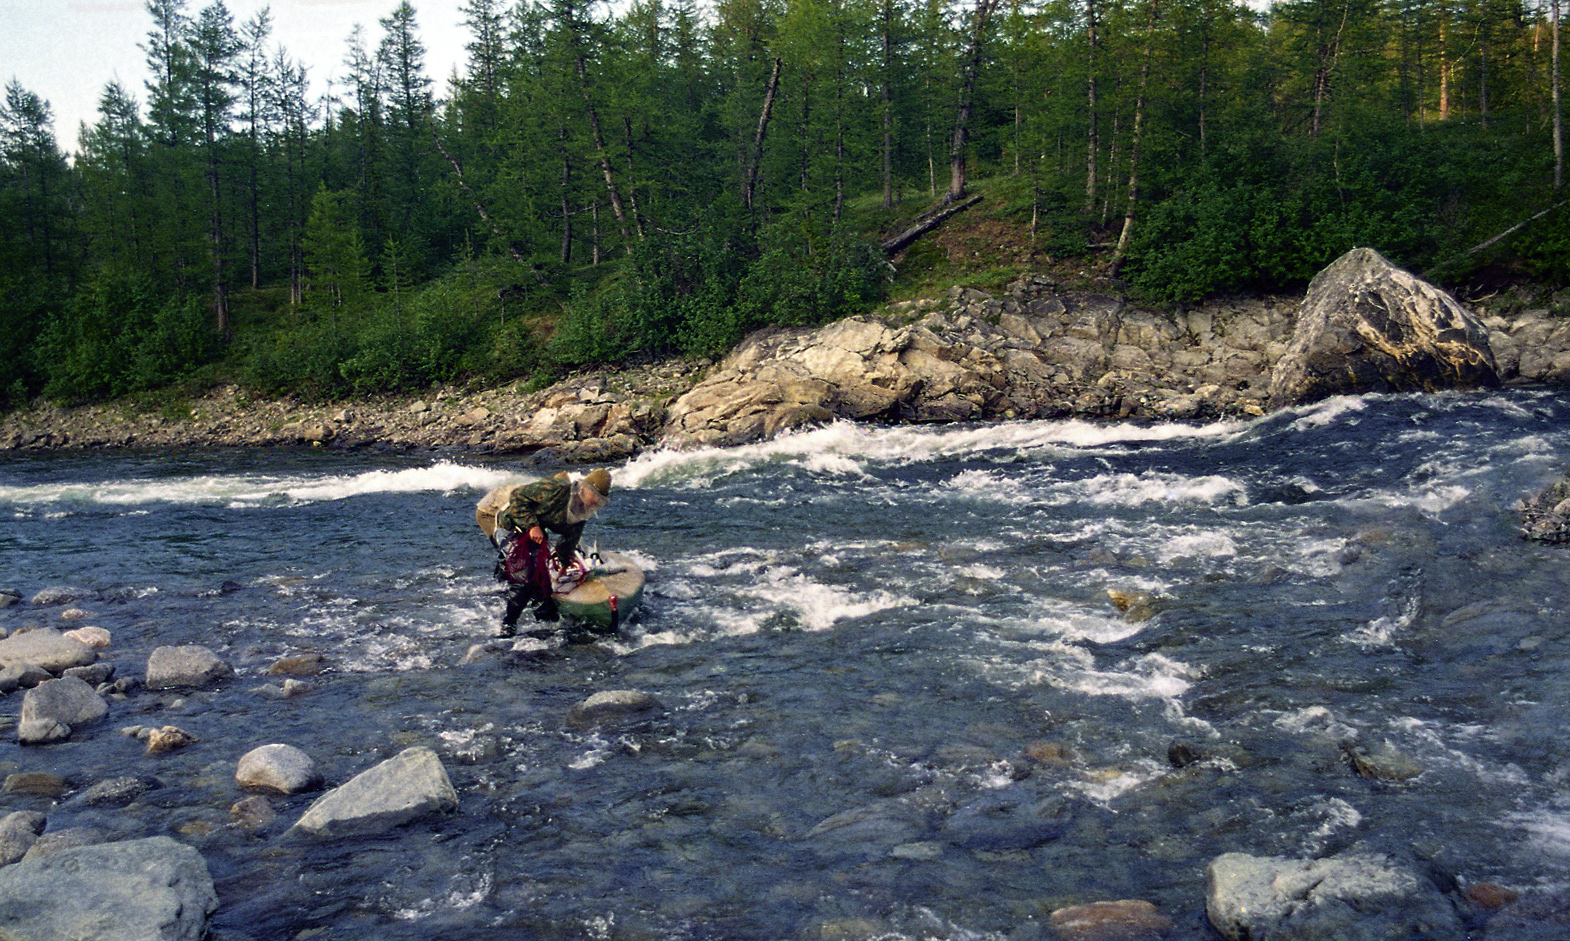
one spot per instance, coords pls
(94, 637)
(1008, 819)
(1357, 896)
(1135, 606)
(18, 832)
(51, 710)
(1545, 516)
(35, 784)
(116, 792)
(15, 676)
(1489, 896)
(94, 674)
(58, 841)
(876, 829)
(9, 597)
(154, 889)
(191, 666)
(253, 813)
(167, 739)
(47, 649)
(407, 786)
(279, 769)
(302, 664)
(1539, 916)
(62, 594)
(1125, 920)
(1367, 326)
(1050, 753)
(613, 704)
(1382, 762)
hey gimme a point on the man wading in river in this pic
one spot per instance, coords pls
(517, 518)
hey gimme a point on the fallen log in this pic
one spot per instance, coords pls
(900, 242)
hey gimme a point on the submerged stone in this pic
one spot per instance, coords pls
(1358, 896)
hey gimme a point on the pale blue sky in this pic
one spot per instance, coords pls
(66, 51)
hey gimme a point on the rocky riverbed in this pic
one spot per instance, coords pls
(1033, 350)
(84, 864)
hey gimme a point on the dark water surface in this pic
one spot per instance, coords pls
(898, 701)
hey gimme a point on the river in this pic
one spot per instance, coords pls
(898, 701)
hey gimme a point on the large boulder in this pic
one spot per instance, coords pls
(1358, 896)
(52, 709)
(190, 666)
(407, 786)
(279, 769)
(48, 649)
(1368, 326)
(155, 889)
(19, 830)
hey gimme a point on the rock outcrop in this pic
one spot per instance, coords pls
(1031, 353)
(1368, 326)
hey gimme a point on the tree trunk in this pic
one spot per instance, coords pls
(749, 186)
(566, 198)
(887, 40)
(1126, 236)
(596, 135)
(632, 193)
(967, 90)
(1092, 142)
(1559, 137)
(1444, 69)
(1329, 54)
(216, 236)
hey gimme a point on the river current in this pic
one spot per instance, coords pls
(897, 698)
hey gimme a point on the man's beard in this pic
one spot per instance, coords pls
(576, 511)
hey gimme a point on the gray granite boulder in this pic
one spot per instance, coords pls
(18, 832)
(47, 649)
(188, 667)
(1358, 896)
(407, 786)
(15, 676)
(51, 710)
(279, 769)
(1368, 326)
(154, 889)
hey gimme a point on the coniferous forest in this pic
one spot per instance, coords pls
(662, 177)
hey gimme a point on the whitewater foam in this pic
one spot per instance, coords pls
(248, 490)
(845, 449)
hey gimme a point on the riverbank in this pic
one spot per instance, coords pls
(1032, 350)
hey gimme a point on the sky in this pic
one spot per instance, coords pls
(66, 51)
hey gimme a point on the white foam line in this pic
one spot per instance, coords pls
(843, 447)
(252, 489)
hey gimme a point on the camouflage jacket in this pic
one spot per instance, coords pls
(543, 503)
